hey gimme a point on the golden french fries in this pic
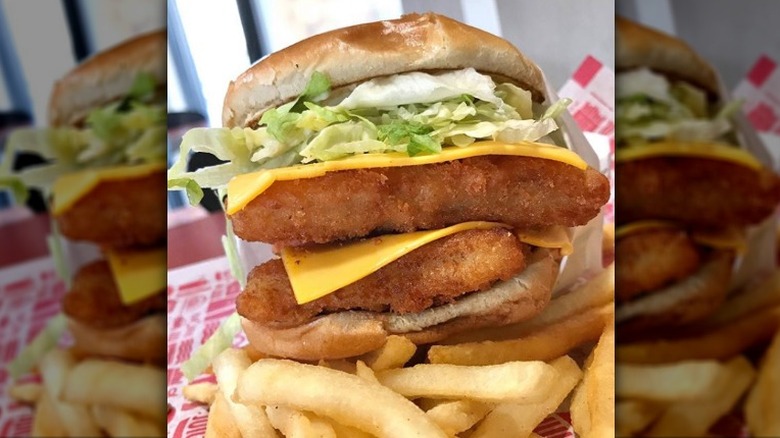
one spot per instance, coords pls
(515, 419)
(362, 370)
(632, 416)
(394, 354)
(346, 398)
(46, 422)
(457, 416)
(250, 420)
(763, 402)
(517, 381)
(721, 343)
(57, 368)
(26, 392)
(593, 404)
(293, 423)
(546, 344)
(694, 418)
(690, 380)
(200, 392)
(125, 424)
(220, 423)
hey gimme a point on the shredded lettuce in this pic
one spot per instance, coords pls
(413, 113)
(125, 132)
(61, 264)
(651, 108)
(221, 340)
(32, 353)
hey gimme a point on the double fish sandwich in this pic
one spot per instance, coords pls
(104, 179)
(688, 190)
(412, 177)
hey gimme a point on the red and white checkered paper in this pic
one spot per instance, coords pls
(31, 294)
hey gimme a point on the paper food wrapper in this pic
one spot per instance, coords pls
(31, 294)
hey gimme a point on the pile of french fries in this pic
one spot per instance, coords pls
(87, 397)
(492, 383)
(683, 386)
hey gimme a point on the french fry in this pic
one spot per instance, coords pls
(124, 386)
(394, 354)
(57, 367)
(722, 343)
(546, 344)
(342, 397)
(46, 421)
(362, 370)
(596, 292)
(593, 405)
(296, 424)
(457, 416)
(516, 381)
(120, 423)
(26, 392)
(694, 418)
(250, 420)
(678, 381)
(509, 420)
(763, 402)
(200, 392)
(220, 422)
(343, 431)
(632, 416)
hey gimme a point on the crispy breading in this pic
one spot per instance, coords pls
(432, 275)
(120, 213)
(694, 191)
(524, 192)
(652, 259)
(93, 300)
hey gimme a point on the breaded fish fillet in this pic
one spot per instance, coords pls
(121, 213)
(652, 259)
(523, 192)
(93, 300)
(694, 191)
(432, 275)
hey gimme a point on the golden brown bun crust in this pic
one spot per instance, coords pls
(415, 42)
(143, 341)
(347, 334)
(106, 77)
(640, 46)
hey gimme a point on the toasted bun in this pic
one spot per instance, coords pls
(143, 341)
(641, 46)
(688, 300)
(347, 334)
(415, 42)
(106, 77)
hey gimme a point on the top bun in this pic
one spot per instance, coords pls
(107, 77)
(415, 42)
(640, 46)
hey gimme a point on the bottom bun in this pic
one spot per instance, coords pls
(143, 341)
(688, 300)
(351, 333)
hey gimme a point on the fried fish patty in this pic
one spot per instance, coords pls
(524, 192)
(694, 191)
(652, 259)
(121, 213)
(432, 275)
(94, 300)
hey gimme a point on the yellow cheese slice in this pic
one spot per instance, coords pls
(243, 189)
(714, 151)
(138, 273)
(71, 187)
(729, 238)
(315, 272)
